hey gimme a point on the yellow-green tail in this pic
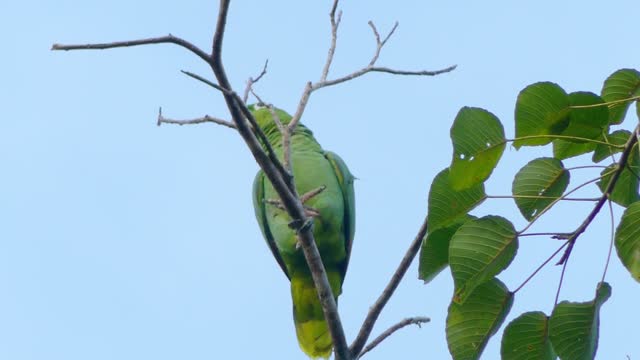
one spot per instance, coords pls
(312, 330)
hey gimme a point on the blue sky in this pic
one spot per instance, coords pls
(123, 240)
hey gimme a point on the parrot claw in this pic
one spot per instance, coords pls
(309, 195)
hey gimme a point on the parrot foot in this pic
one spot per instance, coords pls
(308, 210)
(309, 195)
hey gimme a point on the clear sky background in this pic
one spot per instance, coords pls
(123, 240)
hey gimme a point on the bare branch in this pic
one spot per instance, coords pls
(252, 81)
(380, 43)
(376, 309)
(418, 320)
(205, 81)
(311, 87)
(169, 39)
(204, 119)
(291, 202)
(335, 23)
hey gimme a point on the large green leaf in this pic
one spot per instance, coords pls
(434, 253)
(471, 325)
(480, 250)
(541, 109)
(563, 149)
(628, 239)
(573, 327)
(478, 142)
(584, 122)
(447, 204)
(621, 85)
(527, 338)
(538, 184)
(618, 137)
(625, 190)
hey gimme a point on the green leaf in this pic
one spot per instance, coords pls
(434, 253)
(541, 109)
(628, 239)
(527, 338)
(573, 327)
(618, 137)
(625, 190)
(563, 149)
(622, 84)
(538, 184)
(584, 122)
(480, 250)
(471, 325)
(446, 204)
(478, 143)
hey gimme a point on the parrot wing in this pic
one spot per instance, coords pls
(345, 179)
(260, 210)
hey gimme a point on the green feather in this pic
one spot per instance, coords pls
(333, 230)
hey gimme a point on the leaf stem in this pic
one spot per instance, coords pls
(608, 103)
(538, 197)
(612, 233)
(540, 267)
(565, 137)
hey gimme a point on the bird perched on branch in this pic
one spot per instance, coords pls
(325, 186)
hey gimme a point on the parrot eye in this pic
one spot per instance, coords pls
(259, 106)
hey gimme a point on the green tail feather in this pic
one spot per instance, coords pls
(312, 330)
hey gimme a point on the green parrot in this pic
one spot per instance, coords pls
(333, 213)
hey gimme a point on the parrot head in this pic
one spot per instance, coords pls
(264, 116)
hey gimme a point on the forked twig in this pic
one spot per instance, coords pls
(419, 320)
(204, 119)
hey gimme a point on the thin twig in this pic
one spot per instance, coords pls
(376, 309)
(204, 119)
(286, 142)
(311, 87)
(205, 81)
(335, 23)
(418, 320)
(169, 39)
(290, 201)
(387, 70)
(252, 81)
(605, 195)
(380, 43)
